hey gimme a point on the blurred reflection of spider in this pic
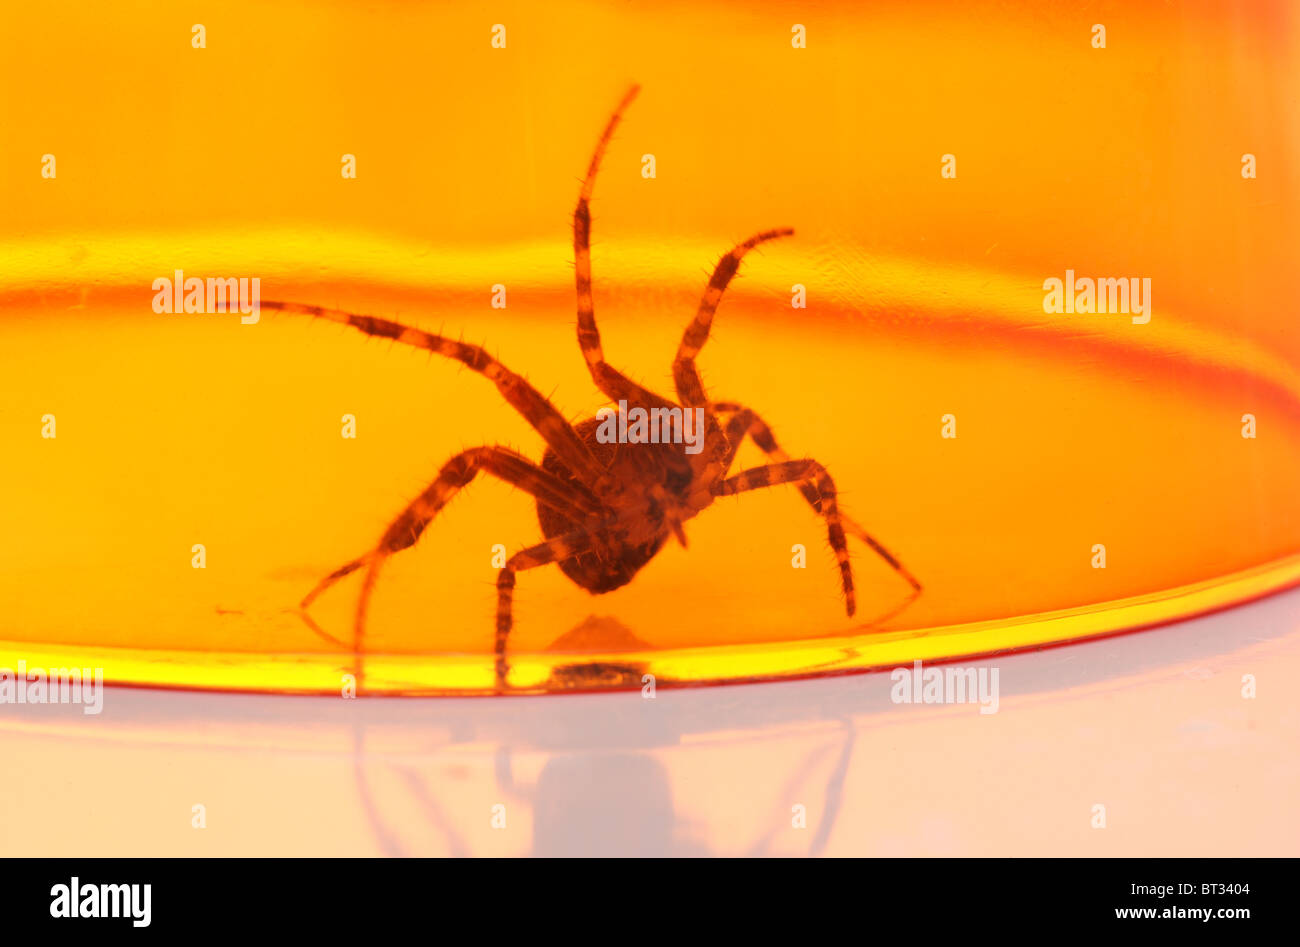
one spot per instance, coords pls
(594, 803)
(606, 509)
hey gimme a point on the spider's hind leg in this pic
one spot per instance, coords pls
(802, 472)
(457, 473)
(557, 549)
(744, 421)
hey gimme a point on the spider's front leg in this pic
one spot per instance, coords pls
(744, 421)
(804, 472)
(558, 433)
(690, 387)
(457, 473)
(613, 384)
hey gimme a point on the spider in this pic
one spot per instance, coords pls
(605, 509)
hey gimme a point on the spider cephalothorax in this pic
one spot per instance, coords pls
(605, 508)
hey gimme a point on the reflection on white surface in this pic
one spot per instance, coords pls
(1153, 726)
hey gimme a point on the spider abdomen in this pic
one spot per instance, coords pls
(621, 549)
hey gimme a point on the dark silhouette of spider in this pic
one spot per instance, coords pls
(605, 508)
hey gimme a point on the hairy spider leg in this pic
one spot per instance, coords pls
(744, 421)
(556, 549)
(511, 467)
(523, 397)
(457, 473)
(802, 471)
(613, 383)
(690, 389)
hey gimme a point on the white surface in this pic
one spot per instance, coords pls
(1151, 725)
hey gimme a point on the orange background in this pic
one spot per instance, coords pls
(925, 299)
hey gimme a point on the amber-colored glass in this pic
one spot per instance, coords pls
(924, 299)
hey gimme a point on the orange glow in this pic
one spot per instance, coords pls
(925, 298)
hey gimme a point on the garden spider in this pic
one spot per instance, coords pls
(605, 508)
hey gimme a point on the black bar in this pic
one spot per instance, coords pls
(377, 897)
